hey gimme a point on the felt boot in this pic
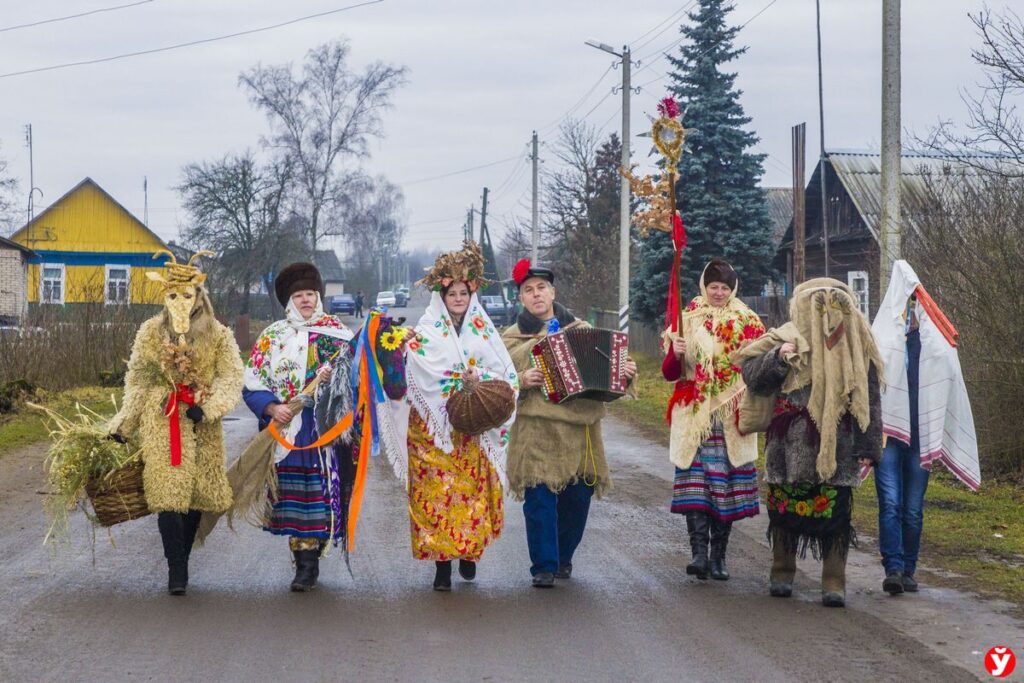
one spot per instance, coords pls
(783, 570)
(833, 579)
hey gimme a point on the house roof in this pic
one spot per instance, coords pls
(89, 181)
(326, 261)
(780, 209)
(8, 244)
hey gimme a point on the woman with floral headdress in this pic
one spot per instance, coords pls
(716, 480)
(813, 385)
(455, 481)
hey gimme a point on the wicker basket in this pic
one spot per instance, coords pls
(120, 496)
(480, 406)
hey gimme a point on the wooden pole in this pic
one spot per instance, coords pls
(799, 205)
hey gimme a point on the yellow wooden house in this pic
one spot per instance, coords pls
(90, 249)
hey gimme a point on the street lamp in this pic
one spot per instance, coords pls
(624, 192)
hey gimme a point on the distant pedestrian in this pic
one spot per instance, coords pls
(359, 304)
(923, 423)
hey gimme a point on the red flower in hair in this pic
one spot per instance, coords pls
(521, 271)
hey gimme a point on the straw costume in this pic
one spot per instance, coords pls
(184, 376)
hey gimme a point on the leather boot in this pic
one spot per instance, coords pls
(833, 579)
(719, 542)
(307, 570)
(191, 527)
(172, 533)
(697, 526)
(443, 576)
(783, 570)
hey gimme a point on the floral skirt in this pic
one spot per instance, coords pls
(456, 508)
(711, 485)
(815, 516)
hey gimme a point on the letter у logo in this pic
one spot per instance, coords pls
(1000, 661)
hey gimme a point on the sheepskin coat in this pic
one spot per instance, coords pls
(199, 482)
(791, 453)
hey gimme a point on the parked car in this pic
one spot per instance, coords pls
(401, 298)
(386, 298)
(341, 304)
(502, 312)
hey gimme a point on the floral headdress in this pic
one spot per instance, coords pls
(466, 266)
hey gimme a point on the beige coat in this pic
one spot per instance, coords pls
(199, 483)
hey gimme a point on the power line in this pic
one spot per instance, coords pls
(459, 172)
(75, 16)
(667, 19)
(578, 103)
(667, 27)
(167, 48)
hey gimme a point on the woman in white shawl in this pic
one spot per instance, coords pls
(311, 484)
(454, 480)
(924, 421)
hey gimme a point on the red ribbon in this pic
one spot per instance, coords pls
(182, 393)
(673, 301)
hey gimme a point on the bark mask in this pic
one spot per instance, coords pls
(181, 288)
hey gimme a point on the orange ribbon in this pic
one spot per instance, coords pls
(182, 394)
(937, 316)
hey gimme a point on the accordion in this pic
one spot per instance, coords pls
(582, 363)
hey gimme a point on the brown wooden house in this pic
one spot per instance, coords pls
(853, 185)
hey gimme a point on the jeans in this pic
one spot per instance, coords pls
(901, 483)
(555, 524)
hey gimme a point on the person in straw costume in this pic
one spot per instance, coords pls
(814, 386)
(715, 479)
(184, 376)
(455, 480)
(556, 459)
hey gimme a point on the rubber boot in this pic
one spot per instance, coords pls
(307, 570)
(443, 576)
(697, 526)
(783, 570)
(833, 579)
(719, 542)
(172, 533)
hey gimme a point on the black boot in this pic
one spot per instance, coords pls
(172, 533)
(467, 569)
(719, 542)
(307, 570)
(191, 526)
(443, 576)
(697, 525)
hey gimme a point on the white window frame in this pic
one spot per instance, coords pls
(863, 302)
(127, 284)
(42, 282)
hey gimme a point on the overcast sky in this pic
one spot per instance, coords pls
(482, 76)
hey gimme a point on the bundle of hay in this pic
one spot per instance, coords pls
(85, 463)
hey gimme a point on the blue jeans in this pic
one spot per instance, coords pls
(901, 483)
(555, 524)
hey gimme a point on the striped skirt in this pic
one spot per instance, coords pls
(712, 486)
(303, 505)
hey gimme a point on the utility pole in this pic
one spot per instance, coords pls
(145, 201)
(624, 199)
(483, 219)
(534, 224)
(468, 229)
(31, 173)
(822, 160)
(890, 237)
(799, 204)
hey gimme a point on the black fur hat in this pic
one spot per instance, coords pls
(720, 271)
(296, 277)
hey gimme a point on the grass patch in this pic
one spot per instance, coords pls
(977, 535)
(26, 426)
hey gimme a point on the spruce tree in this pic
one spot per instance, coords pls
(717, 192)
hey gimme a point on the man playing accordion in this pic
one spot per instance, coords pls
(556, 459)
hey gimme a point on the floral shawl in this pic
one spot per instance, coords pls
(280, 357)
(435, 361)
(713, 384)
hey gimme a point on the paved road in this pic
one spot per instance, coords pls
(630, 612)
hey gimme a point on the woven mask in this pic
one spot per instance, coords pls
(181, 288)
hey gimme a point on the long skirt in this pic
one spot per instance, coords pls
(815, 516)
(456, 508)
(313, 488)
(711, 485)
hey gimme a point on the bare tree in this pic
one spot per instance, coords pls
(8, 199)
(237, 209)
(994, 122)
(320, 117)
(375, 224)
